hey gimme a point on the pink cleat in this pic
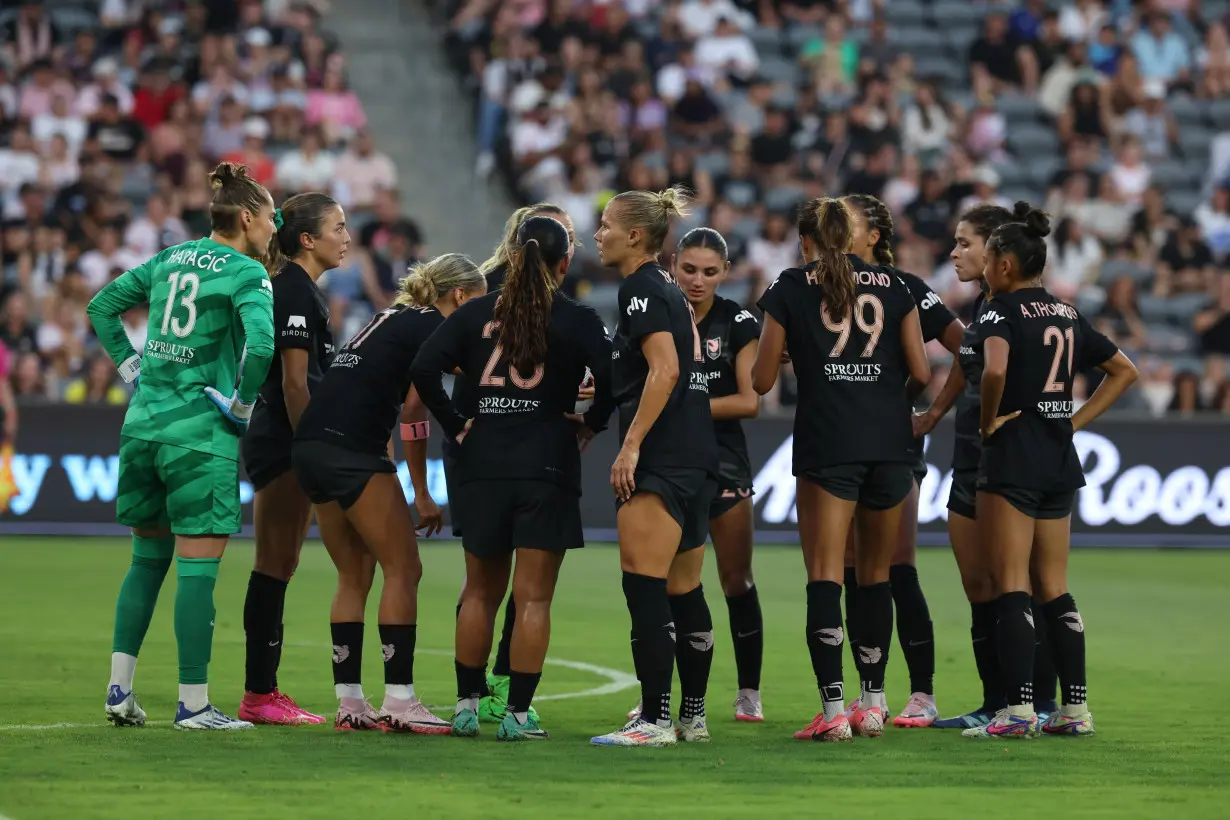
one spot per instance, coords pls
(410, 716)
(355, 715)
(274, 709)
(836, 730)
(867, 722)
(919, 713)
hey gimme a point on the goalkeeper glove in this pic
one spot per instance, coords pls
(235, 410)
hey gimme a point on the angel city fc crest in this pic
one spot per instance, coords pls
(714, 348)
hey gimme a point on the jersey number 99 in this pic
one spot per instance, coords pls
(185, 286)
(489, 379)
(872, 328)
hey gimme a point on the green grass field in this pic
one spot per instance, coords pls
(1158, 626)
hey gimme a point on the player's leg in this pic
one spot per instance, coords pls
(281, 513)
(494, 707)
(1008, 533)
(824, 524)
(203, 508)
(878, 518)
(854, 609)
(382, 518)
(356, 568)
(1052, 544)
(915, 631)
(486, 583)
(534, 579)
(972, 564)
(693, 642)
(732, 532)
(650, 526)
(141, 504)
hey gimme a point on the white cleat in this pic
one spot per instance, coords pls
(635, 714)
(123, 709)
(747, 706)
(208, 719)
(692, 730)
(638, 733)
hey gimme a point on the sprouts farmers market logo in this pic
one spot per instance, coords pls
(96, 479)
(1112, 494)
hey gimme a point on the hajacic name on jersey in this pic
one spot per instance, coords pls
(189, 258)
(169, 351)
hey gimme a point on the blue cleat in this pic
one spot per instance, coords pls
(973, 720)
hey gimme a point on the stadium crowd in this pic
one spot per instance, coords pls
(111, 115)
(1115, 115)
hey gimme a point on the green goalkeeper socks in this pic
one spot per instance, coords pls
(151, 558)
(194, 617)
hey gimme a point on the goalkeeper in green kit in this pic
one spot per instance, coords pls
(209, 345)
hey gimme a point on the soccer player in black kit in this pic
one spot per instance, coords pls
(665, 475)
(873, 236)
(343, 457)
(493, 707)
(1033, 346)
(854, 337)
(526, 348)
(962, 388)
(729, 335)
(313, 238)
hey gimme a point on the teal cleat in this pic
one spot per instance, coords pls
(511, 730)
(465, 723)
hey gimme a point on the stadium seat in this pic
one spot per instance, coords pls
(1184, 203)
(780, 70)
(959, 34)
(905, 13)
(798, 36)
(70, 18)
(942, 69)
(768, 41)
(783, 199)
(1116, 268)
(952, 13)
(1181, 308)
(1152, 308)
(1041, 169)
(1186, 110)
(1196, 141)
(1033, 140)
(1017, 107)
(1089, 300)
(715, 164)
(1218, 113)
(1171, 175)
(916, 39)
(1012, 174)
(747, 228)
(786, 96)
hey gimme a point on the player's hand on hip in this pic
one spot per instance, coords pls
(623, 472)
(230, 406)
(464, 431)
(431, 520)
(998, 422)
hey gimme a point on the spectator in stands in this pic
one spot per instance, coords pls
(98, 385)
(376, 234)
(361, 172)
(926, 128)
(1130, 174)
(29, 37)
(1152, 124)
(1214, 62)
(1083, 20)
(1075, 257)
(1187, 398)
(335, 109)
(1185, 263)
(28, 381)
(155, 230)
(995, 57)
(537, 138)
(307, 168)
(1087, 116)
(727, 51)
(252, 153)
(1119, 317)
(833, 60)
(224, 131)
(1162, 52)
(19, 163)
(106, 84)
(116, 134)
(97, 264)
(59, 121)
(700, 18)
(1214, 220)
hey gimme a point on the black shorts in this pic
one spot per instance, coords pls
(920, 470)
(1044, 505)
(265, 458)
(687, 495)
(526, 514)
(727, 498)
(962, 493)
(452, 484)
(330, 473)
(874, 486)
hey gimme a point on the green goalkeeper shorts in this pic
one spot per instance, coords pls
(161, 484)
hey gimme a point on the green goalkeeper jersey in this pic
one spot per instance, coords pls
(210, 325)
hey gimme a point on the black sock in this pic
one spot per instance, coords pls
(261, 625)
(854, 604)
(502, 652)
(914, 628)
(693, 650)
(1067, 634)
(1046, 680)
(877, 619)
(471, 681)
(653, 637)
(521, 687)
(397, 643)
(1015, 629)
(347, 652)
(277, 653)
(986, 653)
(824, 639)
(747, 633)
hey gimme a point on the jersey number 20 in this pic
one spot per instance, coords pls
(489, 379)
(185, 286)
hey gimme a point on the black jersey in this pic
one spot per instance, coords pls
(300, 322)
(726, 329)
(853, 407)
(967, 435)
(465, 392)
(682, 437)
(933, 315)
(359, 402)
(1049, 343)
(519, 430)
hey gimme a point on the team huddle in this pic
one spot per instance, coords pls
(240, 358)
